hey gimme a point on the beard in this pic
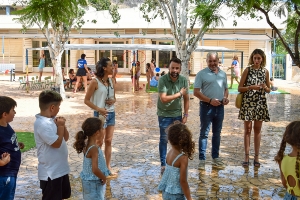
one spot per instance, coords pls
(174, 74)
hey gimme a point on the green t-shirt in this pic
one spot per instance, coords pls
(166, 85)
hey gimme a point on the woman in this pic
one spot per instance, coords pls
(254, 85)
(101, 98)
(148, 75)
(73, 78)
(41, 66)
(115, 71)
(137, 76)
(81, 72)
(152, 66)
(235, 70)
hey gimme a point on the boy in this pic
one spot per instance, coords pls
(50, 135)
(9, 149)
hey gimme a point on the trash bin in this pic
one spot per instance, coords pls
(12, 75)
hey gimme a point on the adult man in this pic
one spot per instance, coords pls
(211, 88)
(172, 87)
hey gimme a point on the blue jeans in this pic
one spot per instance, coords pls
(210, 115)
(164, 122)
(92, 190)
(288, 196)
(7, 187)
(168, 196)
(110, 118)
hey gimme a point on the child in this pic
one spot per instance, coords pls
(9, 149)
(174, 183)
(272, 84)
(289, 164)
(94, 170)
(51, 134)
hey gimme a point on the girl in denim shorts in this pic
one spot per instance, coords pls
(93, 175)
(101, 98)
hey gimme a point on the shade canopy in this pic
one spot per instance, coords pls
(149, 47)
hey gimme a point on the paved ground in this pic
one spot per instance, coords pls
(135, 146)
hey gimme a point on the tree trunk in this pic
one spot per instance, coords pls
(58, 75)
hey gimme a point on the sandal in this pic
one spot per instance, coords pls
(246, 164)
(255, 163)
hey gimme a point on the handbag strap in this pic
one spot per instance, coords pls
(247, 76)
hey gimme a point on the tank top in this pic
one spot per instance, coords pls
(102, 93)
(288, 169)
(42, 63)
(170, 181)
(87, 173)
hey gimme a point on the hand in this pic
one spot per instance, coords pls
(215, 102)
(103, 181)
(255, 87)
(110, 102)
(5, 158)
(183, 91)
(184, 119)
(60, 121)
(21, 145)
(225, 101)
(102, 111)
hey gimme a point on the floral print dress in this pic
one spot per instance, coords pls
(254, 103)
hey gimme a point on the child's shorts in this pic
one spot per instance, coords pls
(92, 190)
(56, 189)
(110, 118)
(288, 196)
(7, 187)
(168, 196)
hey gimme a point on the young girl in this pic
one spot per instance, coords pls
(289, 164)
(94, 170)
(174, 183)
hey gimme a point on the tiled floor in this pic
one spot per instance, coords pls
(135, 148)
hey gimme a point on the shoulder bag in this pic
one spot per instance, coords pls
(239, 97)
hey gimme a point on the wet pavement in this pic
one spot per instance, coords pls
(135, 147)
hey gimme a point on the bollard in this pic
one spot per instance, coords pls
(12, 74)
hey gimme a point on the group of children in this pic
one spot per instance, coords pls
(51, 135)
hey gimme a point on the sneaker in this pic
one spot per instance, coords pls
(218, 163)
(201, 165)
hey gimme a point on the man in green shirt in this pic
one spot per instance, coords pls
(172, 88)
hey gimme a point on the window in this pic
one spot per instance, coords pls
(118, 55)
(164, 56)
(153, 52)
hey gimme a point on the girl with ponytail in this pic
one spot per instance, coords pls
(289, 163)
(94, 170)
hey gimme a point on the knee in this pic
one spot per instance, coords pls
(248, 131)
(108, 142)
(257, 129)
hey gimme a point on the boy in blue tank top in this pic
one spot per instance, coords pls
(9, 149)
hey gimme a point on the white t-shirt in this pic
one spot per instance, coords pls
(53, 162)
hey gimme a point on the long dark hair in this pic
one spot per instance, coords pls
(99, 67)
(89, 127)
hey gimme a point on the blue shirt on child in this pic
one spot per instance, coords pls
(9, 144)
(81, 63)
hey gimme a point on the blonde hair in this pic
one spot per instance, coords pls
(261, 53)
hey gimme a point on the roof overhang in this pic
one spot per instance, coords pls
(135, 47)
(170, 37)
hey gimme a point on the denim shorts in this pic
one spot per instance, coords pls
(288, 196)
(92, 190)
(168, 196)
(110, 118)
(7, 187)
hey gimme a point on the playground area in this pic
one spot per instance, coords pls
(135, 146)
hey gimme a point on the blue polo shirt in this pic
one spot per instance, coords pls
(81, 63)
(166, 85)
(211, 84)
(9, 144)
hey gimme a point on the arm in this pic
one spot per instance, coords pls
(266, 86)
(86, 69)
(66, 134)
(60, 133)
(183, 177)
(225, 99)
(90, 91)
(94, 154)
(283, 181)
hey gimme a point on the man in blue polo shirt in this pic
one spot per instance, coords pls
(172, 88)
(211, 88)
